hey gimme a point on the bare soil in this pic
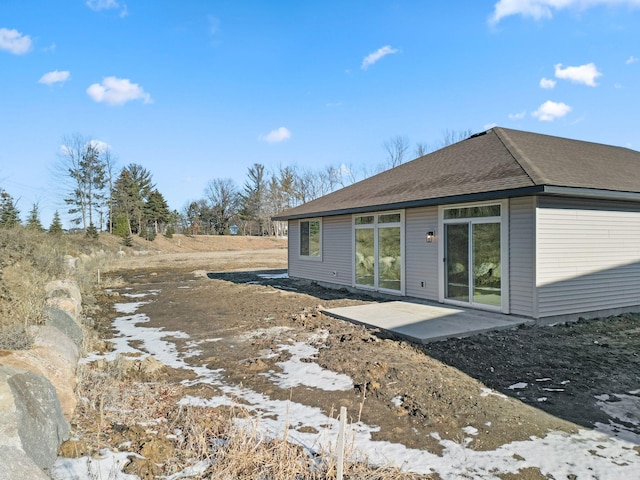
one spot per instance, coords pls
(442, 386)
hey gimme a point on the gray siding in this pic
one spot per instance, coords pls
(336, 263)
(522, 248)
(588, 255)
(421, 258)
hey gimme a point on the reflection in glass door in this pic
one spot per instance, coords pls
(389, 259)
(486, 264)
(473, 262)
(457, 265)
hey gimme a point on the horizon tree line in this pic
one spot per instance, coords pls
(99, 196)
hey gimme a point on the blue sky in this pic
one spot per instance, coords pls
(195, 90)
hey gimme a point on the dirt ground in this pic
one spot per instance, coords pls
(551, 375)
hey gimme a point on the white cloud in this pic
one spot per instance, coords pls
(585, 74)
(55, 77)
(117, 91)
(632, 59)
(278, 135)
(98, 5)
(547, 83)
(539, 9)
(14, 42)
(518, 116)
(100, 146)
(377, 55)
(549, 111)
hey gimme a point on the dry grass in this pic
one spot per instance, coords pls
(28, 260)
(115, 411)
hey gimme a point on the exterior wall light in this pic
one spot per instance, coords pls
(431, 236)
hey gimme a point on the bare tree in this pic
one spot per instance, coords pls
(396, 148)
(449, 137)
(422, 149)
(223, 199)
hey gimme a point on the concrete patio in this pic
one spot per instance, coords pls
(425, 323)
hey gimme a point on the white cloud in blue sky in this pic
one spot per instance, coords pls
(377, 56)
(584, 74)
(540, 9)
(55, 76)
(517, 116)
(275, 136)
(117, 91)
(99, 5)
(549, 111)
(631, 60)
(547, 83)
(13, 41)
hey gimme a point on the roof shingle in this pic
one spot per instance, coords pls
(499, 160)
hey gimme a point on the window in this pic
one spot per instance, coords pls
(310, 238)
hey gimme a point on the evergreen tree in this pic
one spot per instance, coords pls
(252, 199)
(130, 194)
(156, 210)
(56, 225)
(85, 168)
(33, 221)
(9, 213)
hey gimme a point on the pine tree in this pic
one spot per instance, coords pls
(33, 222)
(56, 225)
(9, 213)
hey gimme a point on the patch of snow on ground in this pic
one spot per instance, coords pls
(108, 466)
(469, 430)
(131, 307)
(626, 410)
(296, 372)
(397, 401)
(134, 295)
(518, 386)
(273, 276)
(485, 392)
(263, 332)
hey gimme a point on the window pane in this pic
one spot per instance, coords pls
(389, 218)
(487, 287)
(367, 220)
(389, 259)
(365, 261)
(304, 238)
(457, 261)
(314, 238)
(472, 212)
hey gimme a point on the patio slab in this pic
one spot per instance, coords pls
(424, 322)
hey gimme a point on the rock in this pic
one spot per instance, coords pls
(63, 321)
(65, 295)
(31, 418)
(53, 356)
(16, 465)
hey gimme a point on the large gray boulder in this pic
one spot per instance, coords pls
(64, 321)
(16, 465)
(31, 419)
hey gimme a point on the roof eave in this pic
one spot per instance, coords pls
(471, 197)
(593, 193)
(580, 192)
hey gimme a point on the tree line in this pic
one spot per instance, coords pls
(125, 201)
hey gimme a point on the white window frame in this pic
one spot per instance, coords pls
(504, 251)
(315, 258)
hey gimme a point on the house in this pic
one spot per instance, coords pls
(506, 220)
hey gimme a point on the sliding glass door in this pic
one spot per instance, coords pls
(473, 255)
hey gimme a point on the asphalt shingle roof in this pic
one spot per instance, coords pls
(499, 161)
